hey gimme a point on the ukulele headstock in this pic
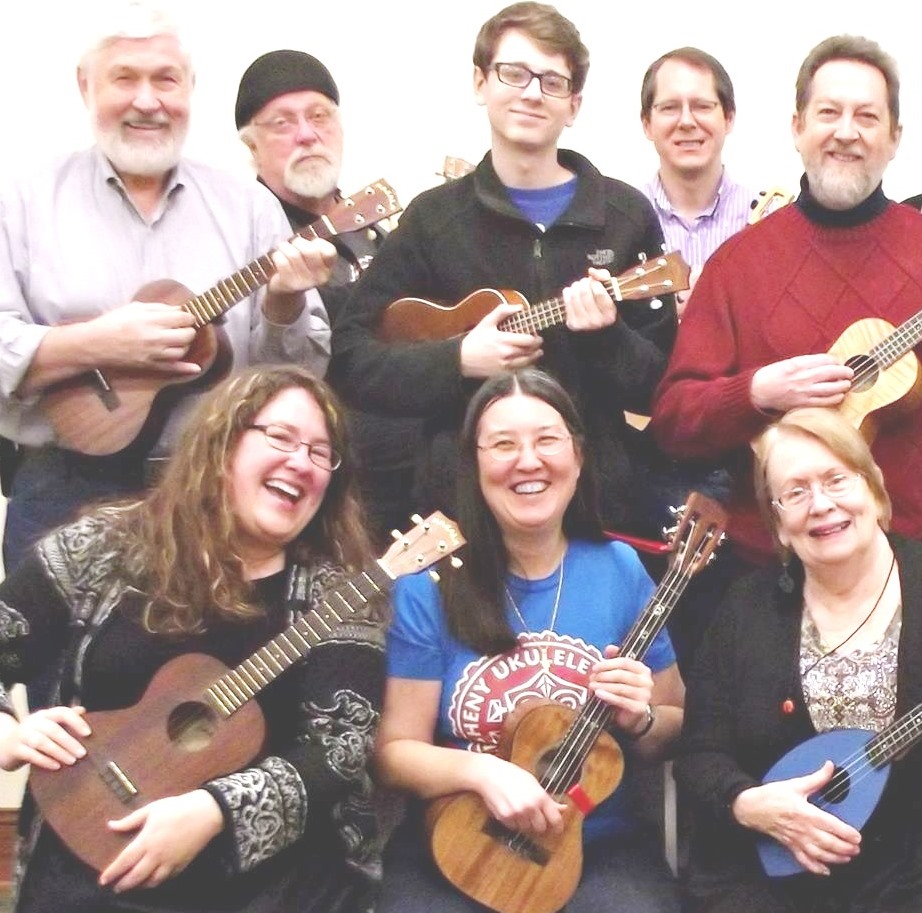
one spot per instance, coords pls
(427, 543)
(767, 202)
(701, 529)
(371, 204)
(659, 275)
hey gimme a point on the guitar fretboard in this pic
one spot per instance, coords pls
(230, 692)
(221, 297)
(893, 347)
(895, 738)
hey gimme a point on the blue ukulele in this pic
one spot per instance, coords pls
(862, 761)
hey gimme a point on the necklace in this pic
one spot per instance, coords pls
(865, 620)
(545, 659)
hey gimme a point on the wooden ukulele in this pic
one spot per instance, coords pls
(197, 719)
(767, 202)
(862, 768)
(454, 168)
(415, 319)
(102, 412)
(572, 756)
(887, 377)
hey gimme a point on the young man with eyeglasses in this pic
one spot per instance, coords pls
(534, 218)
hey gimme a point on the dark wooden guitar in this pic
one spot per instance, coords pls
(862, 767)
(99, 413)
(415, 319)
(572, 756)
(197, 719)
(887, 380)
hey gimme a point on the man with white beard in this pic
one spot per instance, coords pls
(287, 114)
(79, 240)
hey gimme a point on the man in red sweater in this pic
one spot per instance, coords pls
(774, 298)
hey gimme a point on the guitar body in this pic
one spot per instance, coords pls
(879, 393)
(498, 868)
(92, 421)
(168, 743)
(853, 803)
(418, 320)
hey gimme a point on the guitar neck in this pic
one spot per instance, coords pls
(596, 714)
(893, 347)
(220, 298)
(901, 734)
(233, 689)
(548, 313)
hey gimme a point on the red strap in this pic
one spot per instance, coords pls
(580, 799)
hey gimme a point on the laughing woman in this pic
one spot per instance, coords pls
(832, 641)
(254, 519)
(534, 612)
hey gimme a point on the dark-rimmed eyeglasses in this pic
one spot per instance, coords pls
(519, 77)
(284, 439)
(835, 486)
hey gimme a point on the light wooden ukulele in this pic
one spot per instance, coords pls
(887, 376)
(572, 756)
(102, 412)
(197, 719)
(415, 319)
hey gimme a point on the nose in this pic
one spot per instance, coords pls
(528, 457)
(533, 89)
(145, 98)
(300, 459)
(686, 118)
(307, 132)
(846, 128)
(820, 502)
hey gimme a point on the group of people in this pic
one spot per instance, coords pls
(237, 510)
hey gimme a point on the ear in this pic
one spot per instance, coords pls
(480, 82)
(576, 102)
(83, 84)
(797, 128)
(645, 123)
(731, 120)
(895, 138)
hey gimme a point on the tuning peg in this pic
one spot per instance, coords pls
(396, 535)
(655, 304)
(642, 257)
(434, 576)
(417, 519)
(456, 562)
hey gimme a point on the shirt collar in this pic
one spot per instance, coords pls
(658, 194)
(868, 209)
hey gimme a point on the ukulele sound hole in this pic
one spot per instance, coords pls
(836, 790)
(866, 372)
(191, 726)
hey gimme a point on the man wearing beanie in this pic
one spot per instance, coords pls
(132, 211)
(288, 116)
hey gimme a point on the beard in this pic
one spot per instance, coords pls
(841, 188)
(312, 178)
(138, 156)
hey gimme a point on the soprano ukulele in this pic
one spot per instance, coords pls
(197, 719)
(415, 319)
(862, 768)
(102, 412)
(572, 756)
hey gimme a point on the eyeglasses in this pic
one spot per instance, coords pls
(833, 487)
(506, 449)
(286, 124)
(699, 107)
(284, 439)
(519, 76)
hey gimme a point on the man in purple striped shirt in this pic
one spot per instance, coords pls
(687, 109)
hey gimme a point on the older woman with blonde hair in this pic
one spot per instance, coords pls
(828, 641)
(253, 521)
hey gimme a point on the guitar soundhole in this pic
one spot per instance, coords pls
(836, 790)
(191, 726)
(866, 372)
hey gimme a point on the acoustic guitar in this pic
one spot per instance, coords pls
(197, 719)
(862, 767)
(102, 412)
(415, 319)
(886, 381)
(572, 756)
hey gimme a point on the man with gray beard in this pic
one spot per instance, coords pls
(287, 114)
(77, 243)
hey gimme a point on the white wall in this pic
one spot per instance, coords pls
(404, 72)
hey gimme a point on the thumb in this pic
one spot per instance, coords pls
(130, 822)
(500, 313)
(810, 783)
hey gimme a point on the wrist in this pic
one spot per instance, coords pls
(647, 724)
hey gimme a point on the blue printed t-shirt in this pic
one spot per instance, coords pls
(604, 589)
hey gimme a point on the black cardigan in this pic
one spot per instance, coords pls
(735, 729)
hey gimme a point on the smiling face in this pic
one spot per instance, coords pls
(138, 92)
(824, 531)
(529, 494)
(687, 124)
(273, 494)
(844, 134)
(525, 118)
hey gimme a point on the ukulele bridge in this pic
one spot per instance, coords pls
(119, 782)
(517, 843)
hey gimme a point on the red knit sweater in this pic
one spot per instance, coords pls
(786, 287)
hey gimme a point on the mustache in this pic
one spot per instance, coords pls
(147, 120)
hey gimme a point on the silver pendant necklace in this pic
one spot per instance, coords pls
(545, 659)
